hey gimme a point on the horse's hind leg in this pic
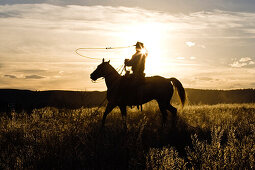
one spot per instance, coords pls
(173, 110)
(163, 108)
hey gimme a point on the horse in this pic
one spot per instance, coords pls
(121, 92)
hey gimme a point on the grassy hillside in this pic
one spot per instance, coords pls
(206, 137)
(26, 100)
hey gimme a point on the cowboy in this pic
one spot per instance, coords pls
(137, 62)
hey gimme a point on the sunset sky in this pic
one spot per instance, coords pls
(208, 44)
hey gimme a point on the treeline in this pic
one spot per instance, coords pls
(19, 100)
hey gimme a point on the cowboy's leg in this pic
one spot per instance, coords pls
(140, 82)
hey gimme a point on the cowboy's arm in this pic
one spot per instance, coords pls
(127, 62)
(131, 61)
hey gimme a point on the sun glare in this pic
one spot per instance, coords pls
(143, 51)
(151, 35)
(153, 62)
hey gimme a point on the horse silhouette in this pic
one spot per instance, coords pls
(123, 92)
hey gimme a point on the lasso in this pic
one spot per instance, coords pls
(94, 58)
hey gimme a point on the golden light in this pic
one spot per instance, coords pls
(150, 34)
(143, 51)
(153, 62)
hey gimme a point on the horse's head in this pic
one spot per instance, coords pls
(101, 70)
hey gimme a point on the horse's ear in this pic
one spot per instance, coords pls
(103, 60)
(109, 61)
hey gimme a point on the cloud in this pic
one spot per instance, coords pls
(31, 71)
(251, 62)
(190, 44)
(37, 33)
(245, 61)
(204, 78)
(34, 77)
(220, 78)
(55, 76)
(91, 18)
(10, 76)
(26, 77)
(238, 64)
(202, 46)
(183, 6)
(192, 58)
(180, 58)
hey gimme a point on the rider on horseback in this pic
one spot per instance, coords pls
(138, 61)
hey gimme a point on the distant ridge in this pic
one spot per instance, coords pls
(200, 96)
(19, 100)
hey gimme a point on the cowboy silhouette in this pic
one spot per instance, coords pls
(137, 62)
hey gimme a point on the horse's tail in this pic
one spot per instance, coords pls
(180, 89)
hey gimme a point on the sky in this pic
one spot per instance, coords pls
(206, 44)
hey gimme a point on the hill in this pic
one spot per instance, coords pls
(19, 100)
(198, 96)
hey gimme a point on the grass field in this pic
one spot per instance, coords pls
(205, 137)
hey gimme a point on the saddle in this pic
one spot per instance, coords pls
(131, 84)
(134, 80)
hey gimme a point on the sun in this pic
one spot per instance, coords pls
(153, 61)
(150, 34)
(143, 51)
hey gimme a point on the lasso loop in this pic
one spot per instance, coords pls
(119, 69)
(94, 58)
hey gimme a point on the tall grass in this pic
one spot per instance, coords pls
(205, 137)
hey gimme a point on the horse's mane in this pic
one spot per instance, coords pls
(112, 69)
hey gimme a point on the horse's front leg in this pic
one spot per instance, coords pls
(108, 109)
(123, 110)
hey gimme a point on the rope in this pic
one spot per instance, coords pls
(94, 58)
(120, 68)
(124, 68)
